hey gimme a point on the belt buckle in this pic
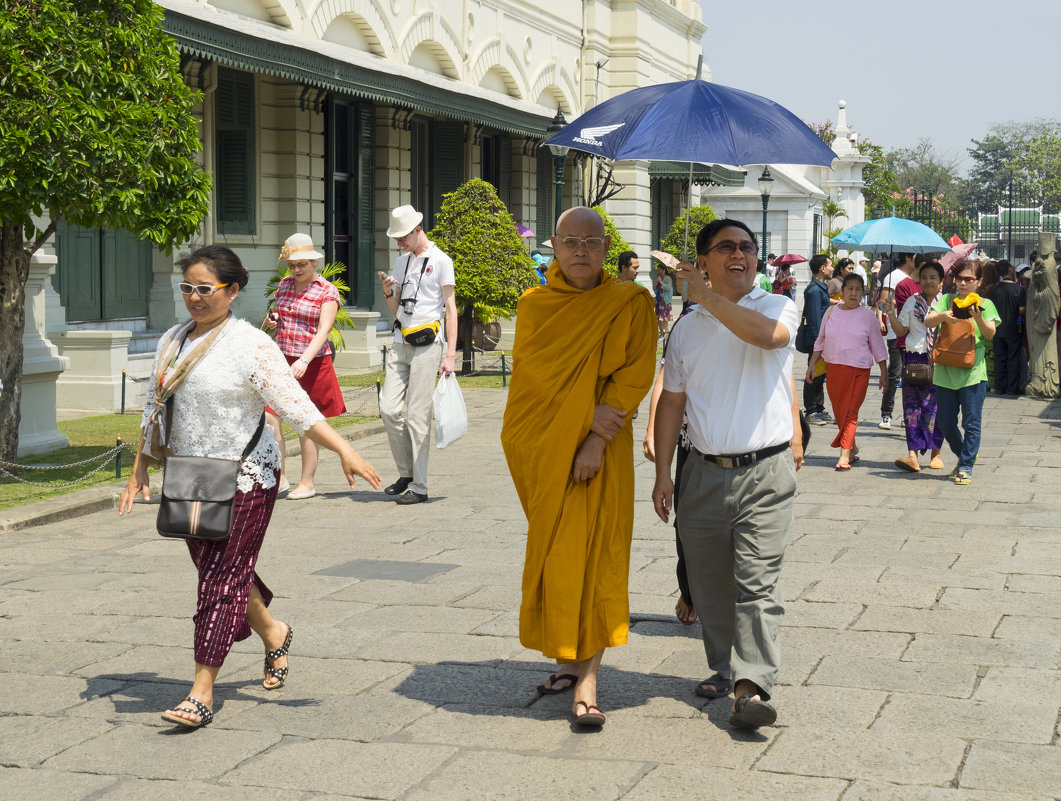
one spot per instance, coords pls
(727, 462)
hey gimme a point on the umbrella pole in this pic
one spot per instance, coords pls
(689, 197)
(688, 211)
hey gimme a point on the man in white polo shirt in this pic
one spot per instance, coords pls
(417, 291)
(729, 368)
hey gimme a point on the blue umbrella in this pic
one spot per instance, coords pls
(694, 121)
(892, 234)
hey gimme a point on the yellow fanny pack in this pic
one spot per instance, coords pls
(420, 335)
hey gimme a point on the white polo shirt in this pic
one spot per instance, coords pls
(430, 301)
(738, 396)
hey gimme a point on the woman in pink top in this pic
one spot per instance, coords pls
(851, 341)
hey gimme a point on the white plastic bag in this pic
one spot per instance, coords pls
(451, 415)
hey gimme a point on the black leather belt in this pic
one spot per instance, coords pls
(743, 459)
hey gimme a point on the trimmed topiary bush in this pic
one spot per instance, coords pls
(699, 216)
(618, 245)
(491, 263)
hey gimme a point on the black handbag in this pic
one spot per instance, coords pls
(918, 374)
(804, 343)
(199, 492)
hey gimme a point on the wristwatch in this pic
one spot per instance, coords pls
(388, 297)
(303, 360)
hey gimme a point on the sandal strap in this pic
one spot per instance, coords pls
(276, 673)
(283, 649)
(205, 715)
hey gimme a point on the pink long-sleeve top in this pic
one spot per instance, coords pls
(851, 337)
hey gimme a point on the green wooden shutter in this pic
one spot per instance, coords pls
(504, 181)
(78, 277)
(234, 170)
(447, 162)
(127, 275)
(545, 207)
(366, 205)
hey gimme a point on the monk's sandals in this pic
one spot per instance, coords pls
(205, 715)
(280, 674)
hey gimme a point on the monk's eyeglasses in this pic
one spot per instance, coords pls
(592, 243)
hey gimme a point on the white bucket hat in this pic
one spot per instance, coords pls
(299, 247)
(403, 220)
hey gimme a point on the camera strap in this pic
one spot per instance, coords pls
(416, 294)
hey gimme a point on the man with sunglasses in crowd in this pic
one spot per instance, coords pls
(729, 370)
(418, 290)
(582, 361)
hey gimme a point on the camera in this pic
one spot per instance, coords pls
(408, 305)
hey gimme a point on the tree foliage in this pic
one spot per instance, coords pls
(95, 128)
(922, 168)
(617, 246)
(1026, 153)
(675, 242)
(880, 187)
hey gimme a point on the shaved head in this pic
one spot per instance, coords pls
(580, 264)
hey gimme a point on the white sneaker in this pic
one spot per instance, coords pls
(885, 422)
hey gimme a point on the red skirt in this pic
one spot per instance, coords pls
(322, 386)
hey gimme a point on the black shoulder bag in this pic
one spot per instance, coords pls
(199, 492)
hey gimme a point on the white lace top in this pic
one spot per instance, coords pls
(217, 408)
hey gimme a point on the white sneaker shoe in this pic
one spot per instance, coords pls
(885, 422)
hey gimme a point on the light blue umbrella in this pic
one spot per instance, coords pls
(892, 234)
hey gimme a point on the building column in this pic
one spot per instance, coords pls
(41, 366)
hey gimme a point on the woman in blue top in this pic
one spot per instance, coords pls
(963, 387)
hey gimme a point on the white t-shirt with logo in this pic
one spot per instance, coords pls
(437, 273)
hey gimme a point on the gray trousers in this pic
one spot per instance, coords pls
(734, 525)
(406, 409)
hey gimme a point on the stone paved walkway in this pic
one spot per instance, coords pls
(920, 647)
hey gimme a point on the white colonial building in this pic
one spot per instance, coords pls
(319, 116)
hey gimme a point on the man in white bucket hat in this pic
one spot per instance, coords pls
(418, 289)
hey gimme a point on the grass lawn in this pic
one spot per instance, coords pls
(89, 437)
(487, 379)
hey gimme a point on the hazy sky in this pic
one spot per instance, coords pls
(945, 69)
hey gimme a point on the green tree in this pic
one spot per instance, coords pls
(675, 242)
(618, 244)
(1026, 153)
(880, 188)
(491, 263)
(95, 129)
(922, 168)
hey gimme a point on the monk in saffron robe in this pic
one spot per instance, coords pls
(583, 358)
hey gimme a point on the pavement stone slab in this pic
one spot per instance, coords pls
(913, 758)
(1026, 721)
(1021, 685)
(164, 752)
(896, 593)
(1032, 604)
(955, 649)
(28, 694)
(29, 740)
(881, 791)
(189, 790)
(844, 670)
(684, 782)
(53, 785)
(927, 621)
(343, 767)
(1013, 767)
(516, 777)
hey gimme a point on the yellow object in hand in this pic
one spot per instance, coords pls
(972, 299)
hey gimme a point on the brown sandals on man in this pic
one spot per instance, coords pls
(593, 716)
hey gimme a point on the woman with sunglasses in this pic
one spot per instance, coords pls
(220, 372)
(963, 388)
(302, 316)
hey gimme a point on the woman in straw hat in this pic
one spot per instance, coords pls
(303, 315)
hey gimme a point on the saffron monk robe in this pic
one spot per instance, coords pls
(583, 358)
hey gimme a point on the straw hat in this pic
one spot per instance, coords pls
(403, 220)
(299, 247)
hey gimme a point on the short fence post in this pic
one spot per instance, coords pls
(123, 391)
(504, 372)
(118, 454)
